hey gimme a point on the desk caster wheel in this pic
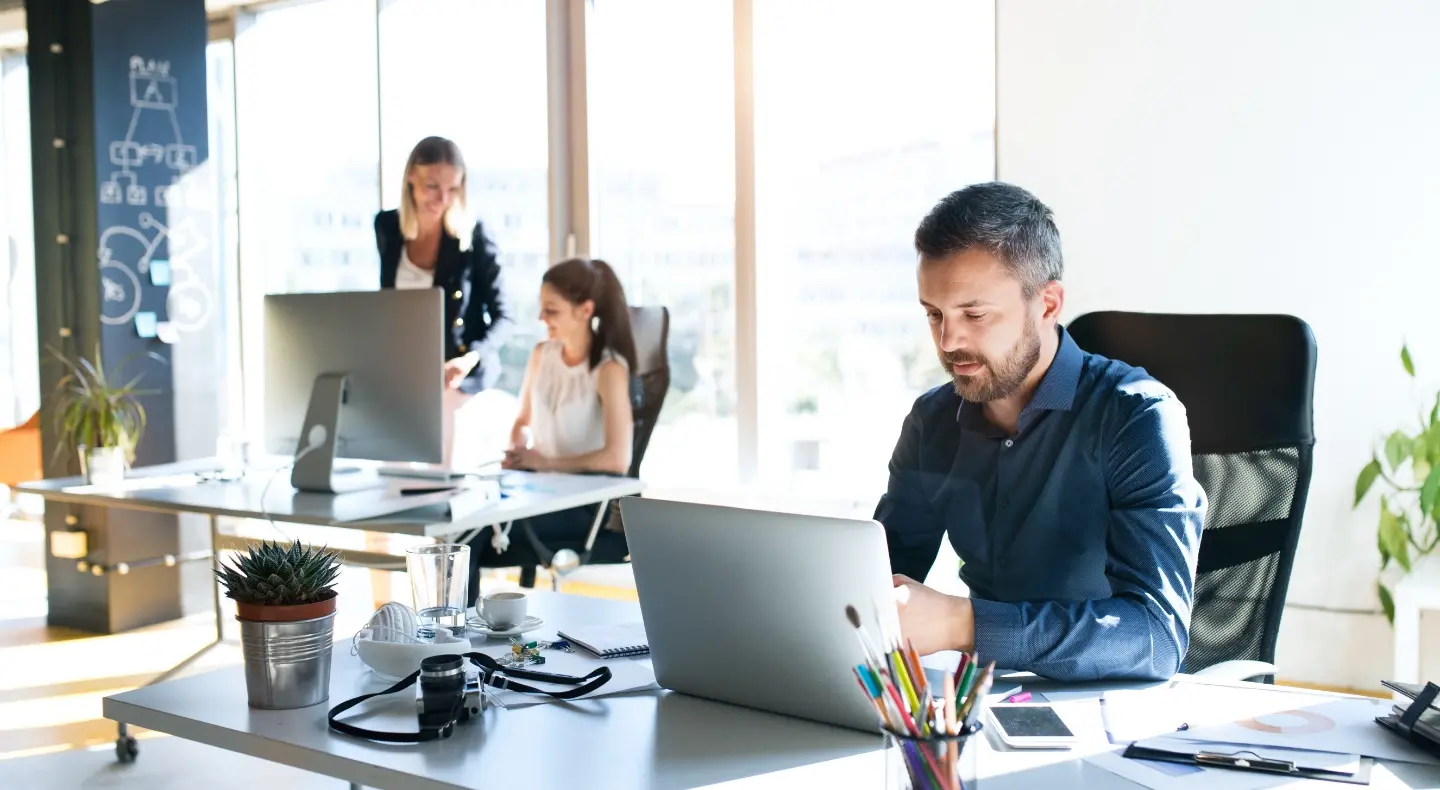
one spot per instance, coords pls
(126, 749)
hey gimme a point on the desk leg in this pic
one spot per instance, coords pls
(589, 541)
(126, 749)
(354, 786)
(214, 584)
(1407, 638)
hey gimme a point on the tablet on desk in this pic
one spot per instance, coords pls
(1029, 725)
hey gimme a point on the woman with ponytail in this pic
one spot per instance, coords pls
(574, 403)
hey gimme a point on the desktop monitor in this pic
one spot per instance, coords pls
(354, 375)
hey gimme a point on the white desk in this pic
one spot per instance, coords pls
(175, 488)
(652, 739)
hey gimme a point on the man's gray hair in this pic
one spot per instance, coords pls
(1002, 219)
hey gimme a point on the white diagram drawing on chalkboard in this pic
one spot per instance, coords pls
(152, 90)
(189, 302)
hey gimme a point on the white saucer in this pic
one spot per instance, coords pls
(478, 626)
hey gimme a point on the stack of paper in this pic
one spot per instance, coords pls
(1323, 732)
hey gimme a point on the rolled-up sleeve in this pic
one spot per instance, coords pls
(1142, 630)
(912, 530)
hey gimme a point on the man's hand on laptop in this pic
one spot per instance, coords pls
(931, 619)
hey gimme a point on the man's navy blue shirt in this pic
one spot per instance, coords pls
(1077, 535)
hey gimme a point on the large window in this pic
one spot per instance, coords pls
(308, 117)
(662, 207)
(307, 123)
(216, 357)
(474, 71)
(19, 346)
(865, 116)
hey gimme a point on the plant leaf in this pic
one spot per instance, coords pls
(1392, 535)
(1406, 361)
(1384, 553)
(1397, 449)
(1430, 490)
(1386, 602)
(1431, 438)
(1366, 479)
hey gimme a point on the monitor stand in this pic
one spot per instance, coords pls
(315, 470)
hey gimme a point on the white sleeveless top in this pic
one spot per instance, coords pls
(566, 417)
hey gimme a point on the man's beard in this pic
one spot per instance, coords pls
(993, 382)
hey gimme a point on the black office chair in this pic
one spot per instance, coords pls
(648, 386)
(1248, 385)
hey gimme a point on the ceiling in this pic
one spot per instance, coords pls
(12, 18)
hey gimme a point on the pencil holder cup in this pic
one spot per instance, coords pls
(938, 762)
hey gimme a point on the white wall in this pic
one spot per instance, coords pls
(1233, 156)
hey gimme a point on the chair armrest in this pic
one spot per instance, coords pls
(1236, 670)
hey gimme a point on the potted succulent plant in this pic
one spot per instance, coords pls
(101, 420)
(285, 601)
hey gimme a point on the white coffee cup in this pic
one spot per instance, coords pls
(504, 610)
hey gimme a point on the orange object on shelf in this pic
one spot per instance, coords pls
(20, 453)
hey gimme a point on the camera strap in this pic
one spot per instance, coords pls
(491, 674)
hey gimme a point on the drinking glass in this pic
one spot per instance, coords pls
(232, 449)
(439, 583)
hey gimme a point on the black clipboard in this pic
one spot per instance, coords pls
(1240, 757)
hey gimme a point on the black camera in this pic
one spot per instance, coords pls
(443, 697)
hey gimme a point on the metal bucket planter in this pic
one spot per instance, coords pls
(287, 653)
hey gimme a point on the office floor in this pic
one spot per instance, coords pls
(52, 681)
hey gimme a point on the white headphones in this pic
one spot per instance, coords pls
(393, 622)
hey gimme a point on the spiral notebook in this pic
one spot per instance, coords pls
(610, 641)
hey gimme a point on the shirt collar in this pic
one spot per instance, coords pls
(1057, 390)
(1055, 393)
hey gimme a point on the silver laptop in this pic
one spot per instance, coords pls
(748, 607)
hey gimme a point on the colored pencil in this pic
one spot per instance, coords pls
(918, 668)
(960, 669)
(949, 691)
(971, 711)
(902, 679)
(874, 700)
(966, 682)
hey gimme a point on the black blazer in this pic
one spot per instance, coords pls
(475, 320)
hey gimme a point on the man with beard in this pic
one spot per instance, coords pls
(1062, 478)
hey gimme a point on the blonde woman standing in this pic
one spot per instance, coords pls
(432, 241)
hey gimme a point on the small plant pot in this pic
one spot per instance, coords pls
(103, 466)
(287, 653)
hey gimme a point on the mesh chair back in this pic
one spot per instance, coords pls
(1247, 382)
(650, 383)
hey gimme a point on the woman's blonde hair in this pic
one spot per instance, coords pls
(458, 220)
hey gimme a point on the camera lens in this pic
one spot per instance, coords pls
(440, 696)
(440, 666)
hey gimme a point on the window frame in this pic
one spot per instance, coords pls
(569, 177)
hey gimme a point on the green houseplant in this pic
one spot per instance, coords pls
(1407, 469)
(285, 601)
(102, 420)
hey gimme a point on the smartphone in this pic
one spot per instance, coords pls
(1030, 725)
